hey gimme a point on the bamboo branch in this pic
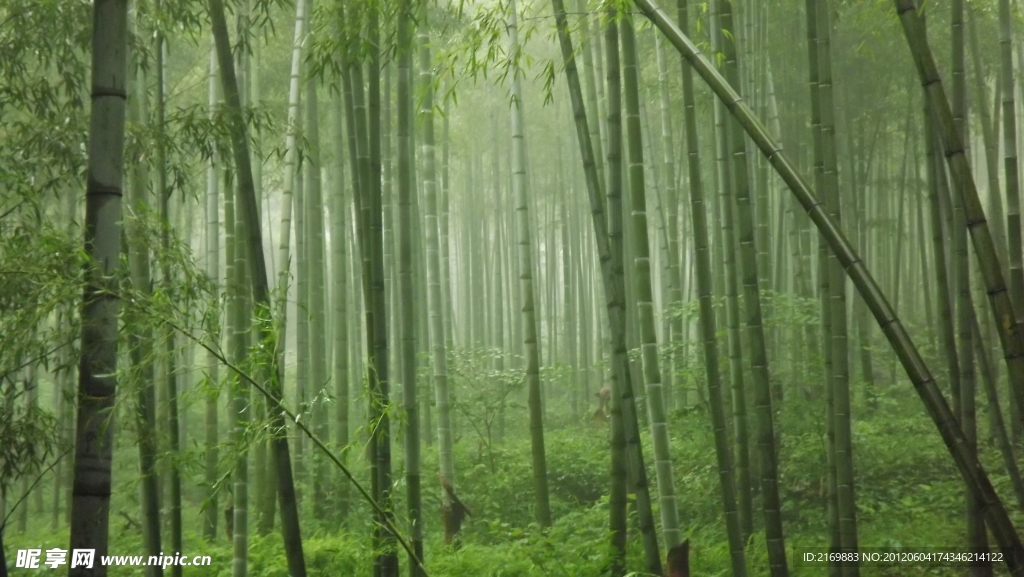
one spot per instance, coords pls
(348, 474)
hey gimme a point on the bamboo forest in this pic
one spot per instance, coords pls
(511, 288)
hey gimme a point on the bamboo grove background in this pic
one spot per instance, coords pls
(511, 288)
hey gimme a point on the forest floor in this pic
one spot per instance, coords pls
(908, 495)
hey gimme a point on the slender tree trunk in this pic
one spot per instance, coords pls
(726, 211)
(390, 222)
(163, 196)
(141, 344)
(316, 303)
(519, 183)
(288, 188)
(675, 241)
(339, 297)
(369, 226)
(840, 383)
(238, 325)
(502, 273)
(832, 508)
(976, 535)
(451, 507)
(380, 380)
(929, 307)
(58, 470)
(1010, 168)
(645, 306)
(421, 340)
(708, 330)
(239, 404)
(446, 278)
(302, 311)
(358, 161)
(569, 290)
(291, 179)
(615, 295)
(212, 363)
(990, 136)
(612, 285)
(754, 326)
(938, 189)
(230, 321)
(407, 294)
(262, 485)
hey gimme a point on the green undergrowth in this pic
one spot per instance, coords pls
(908, 494)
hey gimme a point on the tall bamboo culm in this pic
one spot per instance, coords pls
(708, 328)
(522, 199)
(644, 292)
(753, 323)
(212, 363)
(97, 384)
(840, 377)
(141, 346)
